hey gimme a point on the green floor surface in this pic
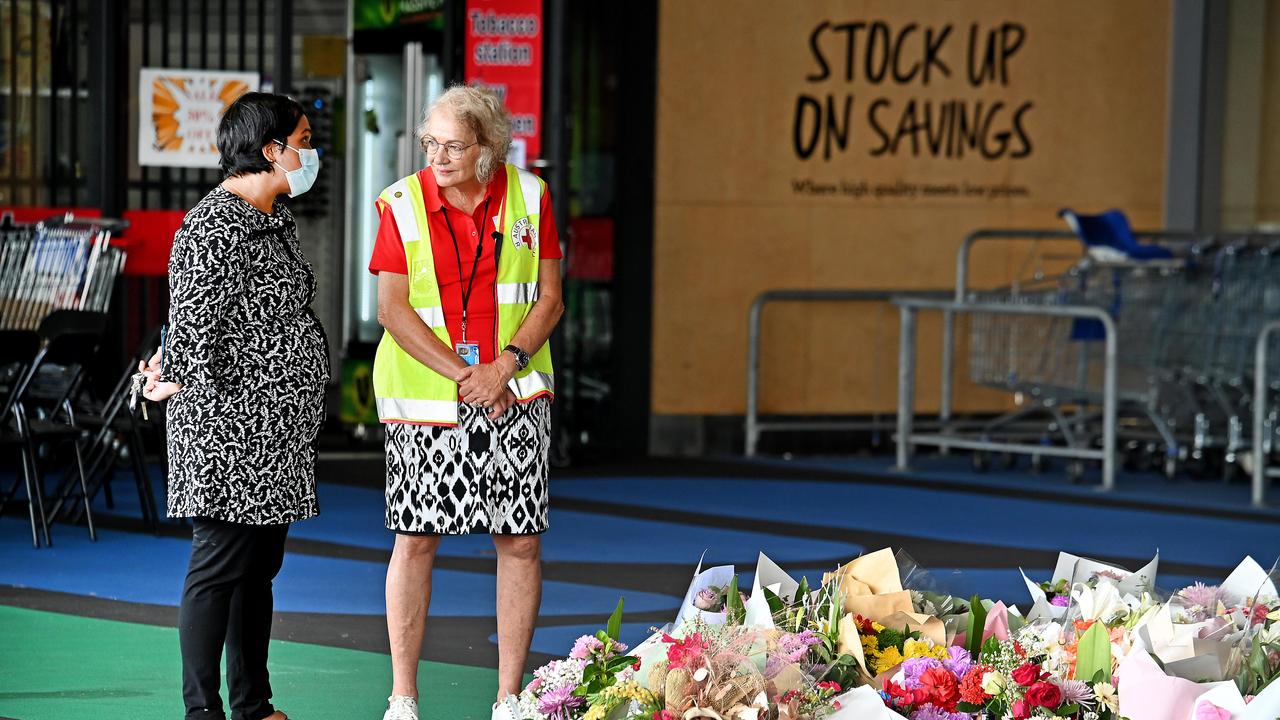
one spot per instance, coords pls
(64, 667)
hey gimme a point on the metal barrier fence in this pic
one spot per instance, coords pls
(753, 426)
(1177, 367)
(908, 439)
(1263, 426)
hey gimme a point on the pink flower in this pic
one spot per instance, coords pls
(584, 646)
(685, 653)
(665, 715)
(707, 599)
(1208, 711)
(559, 703)
(533, 685)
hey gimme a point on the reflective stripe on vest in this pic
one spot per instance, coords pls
(517, 293)
(408, 391)
(407, 410)
(432, 317)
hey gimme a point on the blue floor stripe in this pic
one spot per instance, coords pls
(956, 469)
(145, 569)
(354, 516)
(896, 507)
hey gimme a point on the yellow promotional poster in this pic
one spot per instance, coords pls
(179, 112)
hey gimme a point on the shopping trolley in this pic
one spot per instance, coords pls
(60, 263)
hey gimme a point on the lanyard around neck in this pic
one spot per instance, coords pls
(465, 291)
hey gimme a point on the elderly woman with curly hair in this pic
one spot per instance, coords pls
(468, 268)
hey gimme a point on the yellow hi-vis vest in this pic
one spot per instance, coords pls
(407, 390)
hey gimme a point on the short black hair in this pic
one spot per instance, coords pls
(250, 124)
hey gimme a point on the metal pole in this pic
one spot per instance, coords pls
(752, 430)
(564, 416)
(906, 386)
(962, 265)
(1259, 414)
(948, 370)
(1109, 406)
(283, 79)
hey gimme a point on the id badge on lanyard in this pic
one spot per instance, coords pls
(469, 352)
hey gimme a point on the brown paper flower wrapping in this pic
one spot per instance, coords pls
(679, 690)
(658, 679)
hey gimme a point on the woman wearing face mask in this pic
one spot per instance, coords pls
(244, 369)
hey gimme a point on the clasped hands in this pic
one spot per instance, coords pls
(154, 390)
(485, 385)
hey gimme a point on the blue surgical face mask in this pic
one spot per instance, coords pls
(303, 178)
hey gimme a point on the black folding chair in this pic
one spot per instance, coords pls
(18, 351)
(117, 430)
(69, 339)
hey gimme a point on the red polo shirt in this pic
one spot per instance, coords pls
(482, 318)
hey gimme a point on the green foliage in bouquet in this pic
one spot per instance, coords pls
(1057, 589)
(1093, 655)
(734, 609)
(977, 625)
(1260, 668)
(601, 674)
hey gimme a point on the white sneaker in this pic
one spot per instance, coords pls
(401, 707)
(506, 709)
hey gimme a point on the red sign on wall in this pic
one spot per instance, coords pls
(504, 51)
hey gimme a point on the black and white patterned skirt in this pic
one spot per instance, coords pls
(477, 477)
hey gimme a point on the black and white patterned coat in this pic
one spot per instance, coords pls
(253, 361)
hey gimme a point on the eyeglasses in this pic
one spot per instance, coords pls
(453, 149)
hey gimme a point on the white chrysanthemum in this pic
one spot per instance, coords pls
(529, 707)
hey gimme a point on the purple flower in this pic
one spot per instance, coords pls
(913, 668)
(958, 661)
(793, 647)
(1075, 691)
(931, 712)
(584, 646)
(558, 703)
(620, 648)
(1201, 595)
(1060, 601)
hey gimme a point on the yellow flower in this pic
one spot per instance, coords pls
(877, 627)
(888, 658)
(914, 649)
(616, 695)
(870, 644)
(923, 648)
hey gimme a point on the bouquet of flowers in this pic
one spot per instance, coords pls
(596, 680)
(866, 646)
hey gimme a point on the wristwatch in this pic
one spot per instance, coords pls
(522, 357)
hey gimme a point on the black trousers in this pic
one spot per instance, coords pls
(227, 600)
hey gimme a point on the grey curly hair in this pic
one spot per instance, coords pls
(479, 109)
